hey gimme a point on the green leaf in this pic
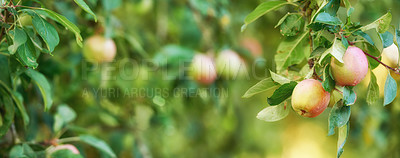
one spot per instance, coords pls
(5, 76)
(387, 39)
(326, 18)
(342, 137)
(329, 83)
(371, 49)
(86, 8)
(337, 50)
(291, 51)
(278, 78)
(111, 5)
(282, 20)
(67, 113)
(381, 25)
(262, 9)
(345, 42)
(365, 36)
(26, 54)
(349, 96)
(43, 85)
(98, 144)
(273, 113)
(338, 117)
(17, 151)
(19, 38)
(46, 31)
(63, 21)
(291, 26)
(390, 91)
(18, 100)
(282, 93)
(373, 90)
(9, 111)
(264, 85)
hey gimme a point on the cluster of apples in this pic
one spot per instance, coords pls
(229, 65)
(309, 98)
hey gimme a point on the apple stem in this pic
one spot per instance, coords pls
(387, 66)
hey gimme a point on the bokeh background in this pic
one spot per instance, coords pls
(142, 104)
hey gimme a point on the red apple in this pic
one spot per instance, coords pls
(353, 69)
(202, 69)
(309, 99)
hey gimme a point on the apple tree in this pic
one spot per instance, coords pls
(323, 57)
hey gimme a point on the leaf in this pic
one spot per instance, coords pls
(67, 113)
(111, 5)
(373, 90)
(291, 26)
(371, 49)
(63, 21)
(9, 111)
(349, 96)
(262, 9)
(326, 18)
(387, 39)
(264, 85)
(345, 42)
(5, 76)
(390, 91)
(86, 8)
(19, 38)
(365, 36)
(329, 83)
(338, 117)
(46, 31)
(273, 113)
(282, 20)
(337, 50)
(282, 93)
(278, 78)
(98, 144)
(381, 25)
(18, 100)
(342, 137)
(22, 151)
(26, 54)
(290, 51)
(43, 85)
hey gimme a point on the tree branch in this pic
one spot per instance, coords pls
(396, 70)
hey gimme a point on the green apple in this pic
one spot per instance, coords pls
(353, 69)
(309, 99)
(99, 49)
(230, 65)
(202, 69)
(25, 20)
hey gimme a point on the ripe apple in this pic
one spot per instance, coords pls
(70, 147)
(230, 65)
(99, 49)
(309, 99)
(202, 69)
(252, 45)
(353, 69)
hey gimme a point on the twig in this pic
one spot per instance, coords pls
(387, 66)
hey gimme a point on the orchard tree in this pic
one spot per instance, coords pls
(323, 55)
(29, 30)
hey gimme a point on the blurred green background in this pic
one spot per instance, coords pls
(166, 114)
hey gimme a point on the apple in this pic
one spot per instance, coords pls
(353, 69)
(230, 65)
(69, 147)
(202, 69)
(25, 20)
(309, 99)
(252, 45)
(99, 49)
(391, 54)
